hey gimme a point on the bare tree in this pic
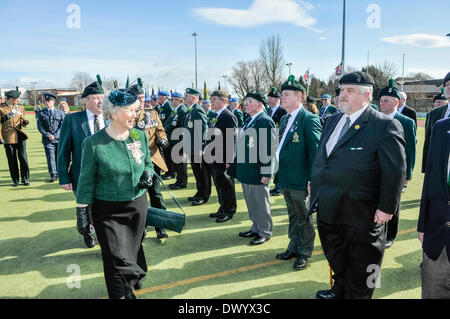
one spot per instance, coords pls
(80, 80)
(420, 76)
(271, 55)
(381, 75)
(247, 76)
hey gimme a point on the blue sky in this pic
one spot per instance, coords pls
(152, 39)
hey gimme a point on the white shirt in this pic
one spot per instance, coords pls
(275, 108)
(332, 141)
(392, 114)
(400, 109)
(220, 112)
(90, 117)
(288, 126)
(253, 118)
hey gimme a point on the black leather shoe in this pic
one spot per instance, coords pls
(161, 233)
(275, 189)
(216, 215)
(52, 179)
(276, 193)
(193, 198)
(389, 243)
(26, 183)
(198, 202)
(89, 241)
(258, 240)
(326, 294)
(166, 177)
(223, 218)
(15, 184)
(301, 262)
(248, 234)
(176, 186)
(286, 255)
(138, 285)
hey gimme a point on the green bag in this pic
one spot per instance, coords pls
(166, 219)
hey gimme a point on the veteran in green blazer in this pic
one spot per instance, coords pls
(116, 171)
(234, 108)
(327, 108)
(252, 166)
(299, 135)
(389, 101)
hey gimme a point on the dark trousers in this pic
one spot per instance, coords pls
(355, 255)
(202, 178)
(169, 163)
(225, 189)
(14, 152)
(392, 225)
(51, 151)
(181, 170)
(120, 231)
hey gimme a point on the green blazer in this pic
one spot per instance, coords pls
(195, 115)
(175, 120)
(432, 117)
(299, 150)
(110, 171)
(248, 166)
(409, 128)
(165, 112)
(330, 111)
(239, 116)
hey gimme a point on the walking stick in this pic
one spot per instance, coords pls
(331, 278)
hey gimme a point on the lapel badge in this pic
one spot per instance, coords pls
(357, 127)
(295, 138)
(251, 142)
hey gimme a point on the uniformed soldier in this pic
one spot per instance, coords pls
(49, 122)
(12, 136)
(176, 120)
(154, 103)
(389, 101)
(206, 106)
(234, 108)
(165, 109)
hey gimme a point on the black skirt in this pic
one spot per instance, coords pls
(120, 232)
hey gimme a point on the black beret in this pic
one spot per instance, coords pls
(292, 84)
(192, 92)
(447, 78)
(257, 96)
(15, 94)
(274, 93)
(440, 96)
(311, 99)
(94, 88)
(220, 93)
(391, 90)
(357, 78)
(121, 98)
(49, 96)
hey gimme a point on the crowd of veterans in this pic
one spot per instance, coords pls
(348, 162)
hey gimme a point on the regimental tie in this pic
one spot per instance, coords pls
(344, 128)
(96, 124)
(283, 127)
(51, 120)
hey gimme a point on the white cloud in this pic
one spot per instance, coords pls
(323, 38)
(421, 40)
(262, 12)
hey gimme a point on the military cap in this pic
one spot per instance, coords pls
(147, 99)
(94, 88)
(192, 92)
(257, 96)
(440, 96)
(49, 96)
(274, 93)
(154, 97)
(234, 99)
(137, 88)
(15, 94)
(220, 93)
(447, 78)
(121, 98)
(206, 101)
(177, 95)
(292, 84)
(163, 93)
(390, 90)
(357, 78)
(326, 96)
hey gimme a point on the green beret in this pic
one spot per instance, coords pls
(440, 96)
(137, 88)
(15, 94)
(257, 96)
(391, 90)
(192, 92)
(274, 93)
(220, 93)
(447, 78)
(94, 88)
(357, 78)
(292, 85)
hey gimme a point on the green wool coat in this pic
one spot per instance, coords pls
(175, 120)
(110, 171)
(299, 150)
(239, 116)
(195, 115)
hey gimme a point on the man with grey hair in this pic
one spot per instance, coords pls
(406, 110)
(356, 182)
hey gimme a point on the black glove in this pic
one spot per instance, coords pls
(163, 143)
(83, 225)
(146, 180)
(2, 141)
(25, 122)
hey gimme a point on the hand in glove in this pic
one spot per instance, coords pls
(25, 122)
(163, 143)
(146, 180)
(83, 225)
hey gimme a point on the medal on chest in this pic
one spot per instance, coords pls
(136, 152)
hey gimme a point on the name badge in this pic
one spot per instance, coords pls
(190, 124)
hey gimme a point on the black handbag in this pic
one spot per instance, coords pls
(166, 219)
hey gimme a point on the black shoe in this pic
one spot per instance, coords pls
(301, 262)
(138, 285)
(130, 295)
(176, 186)
(26, 183)
(216, 215)
(223, 218)
(275, 189)
(52, 179)
(161, 233)
(286, 255)
(258, 240)
(166, 177)
(389, 243)
(89, 241)
(199, 202)
(248, 234)
(327, 294)
(15, 184)
(276, 193)
(193, 198)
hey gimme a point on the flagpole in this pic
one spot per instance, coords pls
(307, 84)
(343, 40)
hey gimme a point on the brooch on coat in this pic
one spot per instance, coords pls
(136, 152)
(295, 138)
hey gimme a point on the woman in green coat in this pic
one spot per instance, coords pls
(116, 171)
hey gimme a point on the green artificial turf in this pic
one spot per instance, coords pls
(40, 247)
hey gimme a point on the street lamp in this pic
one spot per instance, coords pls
(195, 37)
(289, 66)
(225, 80)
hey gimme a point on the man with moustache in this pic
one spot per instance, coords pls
(234, 108)
(356, 182)
(75, 128)
(327, 108)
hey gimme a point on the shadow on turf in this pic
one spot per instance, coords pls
(54, 215)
